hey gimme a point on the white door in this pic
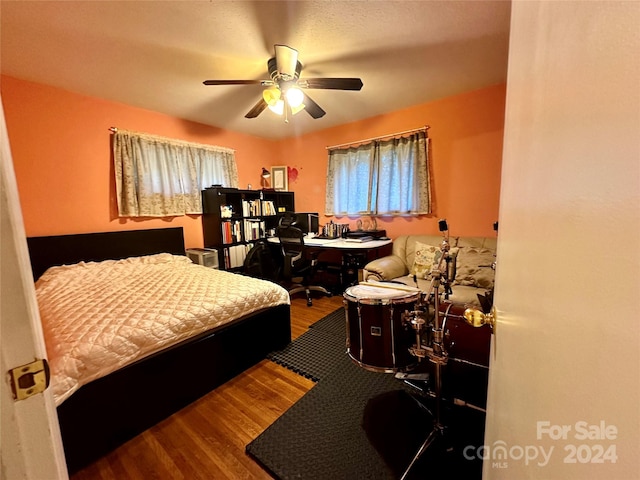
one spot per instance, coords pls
(564, 388)
(30, 445)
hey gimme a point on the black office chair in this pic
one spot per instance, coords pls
(261, 262)
(299, 266)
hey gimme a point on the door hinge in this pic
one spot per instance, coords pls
(29, 379)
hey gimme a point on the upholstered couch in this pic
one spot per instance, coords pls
(470, 266)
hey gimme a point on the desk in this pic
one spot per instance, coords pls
(344, 245)
(342, 258)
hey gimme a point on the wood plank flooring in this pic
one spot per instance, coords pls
(207, 439)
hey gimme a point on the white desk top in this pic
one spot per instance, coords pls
(339, 243)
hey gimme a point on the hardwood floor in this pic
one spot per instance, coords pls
(207, 439)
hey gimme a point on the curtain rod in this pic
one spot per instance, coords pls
(149, 135)
(358, 142)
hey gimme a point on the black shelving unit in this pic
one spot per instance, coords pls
(234, 219)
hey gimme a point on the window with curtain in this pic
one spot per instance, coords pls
(383, 177)
(160, 177)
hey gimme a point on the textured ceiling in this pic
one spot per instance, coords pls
(155, 54)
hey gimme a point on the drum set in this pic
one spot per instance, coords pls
(392, 327)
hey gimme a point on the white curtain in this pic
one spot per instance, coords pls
(385, 178)
(160, 177)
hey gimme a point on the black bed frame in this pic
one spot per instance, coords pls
(107, 412)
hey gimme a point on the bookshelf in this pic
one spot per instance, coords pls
(234, 219)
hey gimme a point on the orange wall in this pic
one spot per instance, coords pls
(61, 150)
(466, 151)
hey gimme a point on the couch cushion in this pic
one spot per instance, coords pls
(461, 294)
(480, 242)
(405, 245)
(473, 267)
(425, 257)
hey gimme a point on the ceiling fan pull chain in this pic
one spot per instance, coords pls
(287, 109)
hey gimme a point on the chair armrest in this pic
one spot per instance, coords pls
(385, 268)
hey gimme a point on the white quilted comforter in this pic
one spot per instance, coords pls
(98, 317)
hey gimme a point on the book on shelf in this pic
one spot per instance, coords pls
(235, 255)
(251, 208)
(268, 208)
(231, 231)
(253, 229)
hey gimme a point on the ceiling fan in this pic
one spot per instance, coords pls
(284, 94)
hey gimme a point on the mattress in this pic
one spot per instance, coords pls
(100, 316)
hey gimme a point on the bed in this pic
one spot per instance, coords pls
(99, 412)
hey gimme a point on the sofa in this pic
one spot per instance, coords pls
(471, 269)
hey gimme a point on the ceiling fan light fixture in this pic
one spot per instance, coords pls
(297, 109)
(295, 97)
(277, 107)
(271, 96)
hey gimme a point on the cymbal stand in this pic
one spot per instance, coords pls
(437, 353)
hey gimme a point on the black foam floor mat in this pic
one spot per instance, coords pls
(317, 351)
(357, 424)
(321, 436)
(334, 323)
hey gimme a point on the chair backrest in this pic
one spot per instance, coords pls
(291, 239)
(288, 219)
(260, 262)
(292, 246)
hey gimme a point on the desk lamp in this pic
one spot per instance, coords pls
(265, 178)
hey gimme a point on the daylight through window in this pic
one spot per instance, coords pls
(382, 177)
(158, 177)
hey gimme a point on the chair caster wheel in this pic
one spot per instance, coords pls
(309, 303)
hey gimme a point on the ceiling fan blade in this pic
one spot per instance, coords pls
(257, 109)
(331, 83)
(286, 61)
(238, 82)
(312, 107)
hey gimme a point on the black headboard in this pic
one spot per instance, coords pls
(46, 252)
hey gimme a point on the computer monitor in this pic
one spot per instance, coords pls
(308, 222)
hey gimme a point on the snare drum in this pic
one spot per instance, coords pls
(462, 341)
(377, 338)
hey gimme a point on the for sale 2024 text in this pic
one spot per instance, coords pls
(586, 452)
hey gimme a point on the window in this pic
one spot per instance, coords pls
(159, 177)
(384, 177)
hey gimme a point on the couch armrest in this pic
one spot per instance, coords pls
(385, 268)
